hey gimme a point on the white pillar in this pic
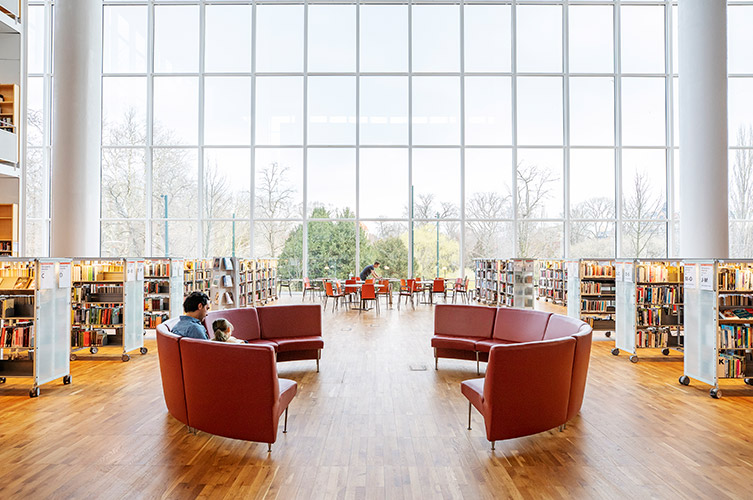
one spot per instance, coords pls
(76, 132)
(704, 219)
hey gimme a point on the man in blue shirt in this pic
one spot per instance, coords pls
(196, 307)
(368, 270)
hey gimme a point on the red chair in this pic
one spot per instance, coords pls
(437, 288)
(330, 293)
(351, 291)
(368, 293)
(308, 287)
(526, 389)
(232, 390)
(384, 290)
(461, 287)
(406, 290)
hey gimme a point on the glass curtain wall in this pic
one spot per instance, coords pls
(332, 135)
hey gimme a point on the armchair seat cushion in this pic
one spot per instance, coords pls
(299, 343)
(288, 390)
(457, 343)
(473, 389)
(270, 343)
(486, 345)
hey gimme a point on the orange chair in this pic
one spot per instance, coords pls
(418, 287)
(384, 290)
(437, 288)
(370, 280)
(459, 287)
(406, 290)
(330, 293)
(309, 287)
(368, 293)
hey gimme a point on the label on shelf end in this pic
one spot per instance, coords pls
(706, 278)
(691, 276)
(46, 275)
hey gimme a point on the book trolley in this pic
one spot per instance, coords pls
(505, 282)
(553, 281)
(487, 273)
(718, 323)
(223, 289)
(36, 320)
(107, 299)
(650, 306)
(591, 293)
(163, 290)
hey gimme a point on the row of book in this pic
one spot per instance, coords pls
(97, 315)
(597, 305)
(596, 288)
(735, 337)
(655, 337)
(157, 269)
(6, 246)
(735, 279)
(156, 287)
(110, 271)
(597, 270)
(658, 273)
(667, 294)
(21, 270)
(88, 338)
(19, 335)
(741, 313)
(18, 307)
(736, 300)
(599, 322)
(156, 304)
(152, 320)
(659, 315)
(16, 283)
(732, 365)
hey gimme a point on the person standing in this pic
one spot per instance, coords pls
(368, 270)
(195, 307)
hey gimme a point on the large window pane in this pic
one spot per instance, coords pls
(539, 32)
(592, 111)
(123, 183)
(227, 110)
(488, 184)
(642, 41)
(182, 238)
(228, 38)
(643, 122)
(436, 38)
(331, 182)
(592, 184)
(488, 38)
(539, 111)
(176, 111)
(384, 38)
(486, 238)
(227, 238)
(740, 111)
(332, 38)
(176, 39)
(539, 184)
(741, 240)
(36, 238)
(332, 249)
(383, 183)
(279, 38)
(436, 110)
(541, 240)
(279, 111)
(124, 111)
(124, 44)
(35, 115)
(740, 38)
(275, 239)
(592, 239)
(436, 183)
(386, 242)
(740, 180)
(383, 110)
(488, 111)
(226, 179)
(37, 193)
(36, 39)
(644, 240)
(428, 262)
(121, 238)
(332, 110)
(175, 182)
(644, 184)
(591, 39)
(279, 183)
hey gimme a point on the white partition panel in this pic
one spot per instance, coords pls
(625, 307)
(700, 322)
(176, 288)
(573, 289)
(53, 320)
(133, 337)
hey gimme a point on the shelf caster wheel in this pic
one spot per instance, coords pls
(74, 357)
(615, 352)
(685, 380)
(143, 350)
(607, 334)
(67, 380)
(665, 351)
(715, 393)
(125, 357)
(34, 392)
(2, 380)
(748, 381)
(633, 358)
(93, 350)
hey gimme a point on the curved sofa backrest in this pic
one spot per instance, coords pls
(464, 321)
(279, 322)
(232, 390)
(564, 326)
(171, 371)
(527, 387)
(580, 370)
(167, 326)
(245, 322)
(520, 325)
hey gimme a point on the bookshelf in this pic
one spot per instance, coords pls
(9, 110)
(107, 300)
(591, 293)
(553, 281)
(163, 290)
(719, 322)
(265, 281)
(197, 275)
(223, 289)
(8, 229)
(650, 306)
(506, 283)
(35, 320)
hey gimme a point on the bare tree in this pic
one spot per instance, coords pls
(741, 187)
(274, 200)
(483, 230)
(640, 204)
(533, 189)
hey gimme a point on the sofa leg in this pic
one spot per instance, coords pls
(478, 365)
(436, 363)
(492, 445)
(269, 448)
(285, 425)
(318, 357)
(469, 415)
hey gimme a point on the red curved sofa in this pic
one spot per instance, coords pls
(293, 331)
(229, 390)
(538, 365)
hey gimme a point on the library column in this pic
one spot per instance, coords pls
(76, 129)
(704, 226)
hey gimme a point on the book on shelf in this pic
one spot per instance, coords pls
(736, 314)
(19, 335)
(735, 337)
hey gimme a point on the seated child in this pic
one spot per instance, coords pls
(223, 332)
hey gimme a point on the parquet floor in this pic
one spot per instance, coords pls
(378, 422)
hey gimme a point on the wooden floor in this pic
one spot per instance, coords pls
(378, 422)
